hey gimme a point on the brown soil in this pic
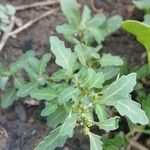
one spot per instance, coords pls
(22, 122)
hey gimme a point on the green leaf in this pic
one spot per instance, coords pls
(66, 29)
(112, 24)
(19, 64)
(132, 110)
(98, 80)
(95, 142)
(119, 89)
(101, 112)
(67, 94)
(109, 72)
(93, 79)
(63, 55)
(72, 13)
(23, 61)
(19, 82)
(97, 34)
(44, 94)
(59, 75)
(26, 89)
(52, 141)
(86, 16)
(142, 33)
(43, 63)
(50, 108)
(33, 63)
(97, 20)
(57, 117)
(8, 98)
(109, 60)
(81, 54)
(68, 126)
(32, 73)
(109, 124)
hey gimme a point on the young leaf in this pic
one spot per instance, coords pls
(109, 72)
(95, 141)
(97, 20)
(81, 54)
(72, 13)
(26, 89)
(19, 64)
(86, 16)
(68, 126)
(59, 75)
(67, 94)
(52, 141)
(50, 108)
(44, 94)
(63, 55)
(19, 82)
(66, 29)
(101, 112)
(109, 124)
(98, 80)
(112, 24)
(8, 98)
(141, 31)
(119, 89)
(132, 110)
(109, 60)
(43, 63)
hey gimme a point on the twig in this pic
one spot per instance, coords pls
(28, 24)
(37, 4)
(134, 138)
(6, 34)
(137, 145)
(22, 28)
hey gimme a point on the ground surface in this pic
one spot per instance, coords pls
(22, 122)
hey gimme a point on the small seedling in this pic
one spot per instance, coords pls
(85, 27)
(84, 89)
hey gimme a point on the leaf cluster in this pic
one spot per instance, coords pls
(85, 27)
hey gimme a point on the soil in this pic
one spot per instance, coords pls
(22, 122)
